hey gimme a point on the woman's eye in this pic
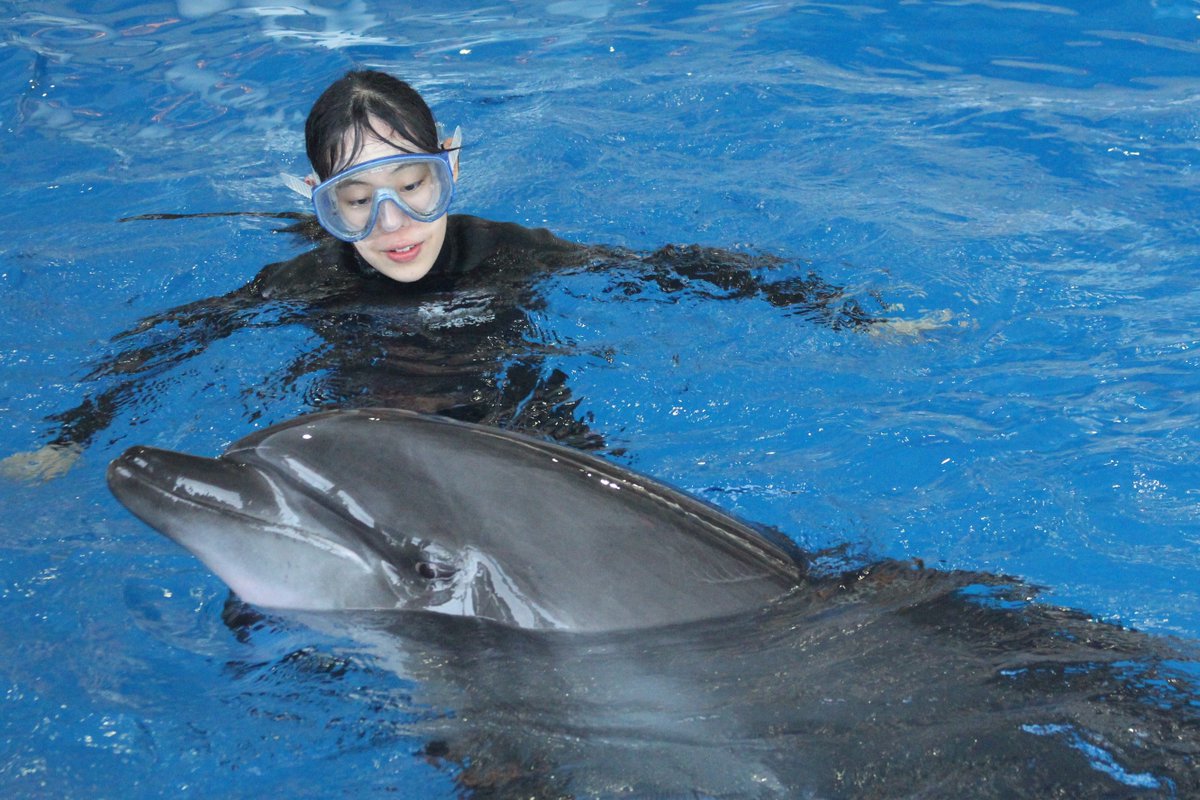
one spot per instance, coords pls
(432, 570)
(412, 187)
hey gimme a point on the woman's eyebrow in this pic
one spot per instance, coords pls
(392, 169)
(399, 165)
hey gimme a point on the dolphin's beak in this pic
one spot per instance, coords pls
(268, 541)
(153, 483)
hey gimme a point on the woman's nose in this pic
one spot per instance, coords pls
(391, 217)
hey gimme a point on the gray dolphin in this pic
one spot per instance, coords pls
(890, 680)
(390, 509)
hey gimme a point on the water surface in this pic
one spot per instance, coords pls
(1016, 181)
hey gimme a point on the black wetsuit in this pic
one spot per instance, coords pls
(455, 342)
(472, 247)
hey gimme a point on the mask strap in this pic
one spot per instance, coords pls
(302, 187)
(453, 145)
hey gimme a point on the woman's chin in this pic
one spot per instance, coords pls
(404, 270)
(404, 273)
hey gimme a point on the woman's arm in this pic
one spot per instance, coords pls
(160, 343)
(726, 274)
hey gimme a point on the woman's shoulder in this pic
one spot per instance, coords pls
(471, 224)
(326, 269)
(473, 242)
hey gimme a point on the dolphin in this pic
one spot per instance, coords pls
(567, 628)
(386, 509)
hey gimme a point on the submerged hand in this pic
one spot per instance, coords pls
(931, 321)
(42, 464)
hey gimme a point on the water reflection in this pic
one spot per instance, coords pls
(886, 681)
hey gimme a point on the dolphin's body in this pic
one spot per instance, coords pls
(388, 509)
(423, 533)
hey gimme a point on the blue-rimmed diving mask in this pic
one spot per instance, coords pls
(419, 185)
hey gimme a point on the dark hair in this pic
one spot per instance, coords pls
(352, 104)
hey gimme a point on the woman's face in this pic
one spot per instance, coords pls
(399, 246)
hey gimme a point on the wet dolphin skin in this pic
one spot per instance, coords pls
(389, 509)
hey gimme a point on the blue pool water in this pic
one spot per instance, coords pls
(1017, 181)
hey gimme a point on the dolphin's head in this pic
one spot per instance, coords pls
(386, 509)
(273, 543)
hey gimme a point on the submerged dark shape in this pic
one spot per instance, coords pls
(462, 342)
(888, 682)
(387, 509)
(651, 645)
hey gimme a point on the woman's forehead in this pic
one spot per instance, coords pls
(373, 142)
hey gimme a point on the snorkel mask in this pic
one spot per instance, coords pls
(421, 185)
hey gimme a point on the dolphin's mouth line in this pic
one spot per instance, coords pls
(324, 499)
(744, 578)
(269, 526)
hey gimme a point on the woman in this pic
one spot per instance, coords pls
(382, 184)
(418, 308)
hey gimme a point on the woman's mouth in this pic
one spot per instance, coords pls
(403, 255)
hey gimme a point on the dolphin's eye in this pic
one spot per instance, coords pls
(432, 570)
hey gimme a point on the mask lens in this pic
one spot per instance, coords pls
(348, 204)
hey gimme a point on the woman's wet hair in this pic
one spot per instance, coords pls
(357, 103)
